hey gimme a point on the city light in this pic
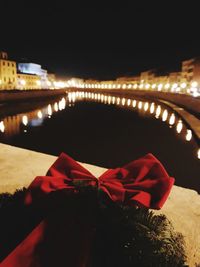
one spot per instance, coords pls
(49, 110)
(38, 82)
(146, 106)
(179, 126)
(172, 119)
(167, 86)
(152, 108)
(194, 84)
(25, 120)
(134, 103)
(39, 114)
(158, 111)
(2, 127)
(153, 86)
(183, 85)
(160, 86)
(188, 136)
(135, 86)
(164, 115)
(140, 105)
(198, 153)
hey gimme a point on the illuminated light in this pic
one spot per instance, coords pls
(172, 119)
(99, 96)
(49, 110)
(0, 82)
(134, 103)
(123, 101)
(175, 85)
(106, 86)
(56, 106)
(179, 126)
(89, 95)
(158, 111)
(128, 102)
(140, 105)
(135, 86)
(92, 95)
(146, 106)
(178, 89)
(194, 84)
(25, 120)
(195, 93)
(39, 114)
(153, 86)
(124, 86)
(109, 99)
(105, 98)
(38, 82)
(198, 153)
(160, 86)
(164, 115)
(113, 99)
(114, 86)
(95, 96)
(62, 104)
(167, 85)
(183, 85)
(102, 98)
(129, 86)
(152, 108)
(2, 127)
(119, 86)
(147, 86)
(141, 85)
(48, 83)
(110, 86)
(23, 82)
(188, 136)
(118, 101)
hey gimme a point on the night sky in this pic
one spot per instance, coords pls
(100, 40)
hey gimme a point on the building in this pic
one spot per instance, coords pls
(28, 81)
(8, 72)
(32, 68)
(191, 70)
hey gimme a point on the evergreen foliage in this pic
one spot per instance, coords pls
(125, 236)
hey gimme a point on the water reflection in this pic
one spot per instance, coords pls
(150, 108)
(12, 125)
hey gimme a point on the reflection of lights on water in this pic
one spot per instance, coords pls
(118, 101)
(95, 96)
(172, 119)
(123, 101)
(56, 106)
(2, 126)
(25, 120)
(158, 111)
(113, 99)
(140, 105)
(109, 99)
(49, 110)
(188, 136)
(99, 97)
(179, 126)
(198, 153)
(152, 108)
(164, 115)
(102, 98)
(128, 102)
(105, 98)
(39, 114)
(146, 106)
(134, 103)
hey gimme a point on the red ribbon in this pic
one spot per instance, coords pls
(142, 182)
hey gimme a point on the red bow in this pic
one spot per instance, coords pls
(143, 181)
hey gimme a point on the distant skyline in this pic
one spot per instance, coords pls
(102, 41)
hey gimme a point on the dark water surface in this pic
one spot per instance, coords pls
(98, 132)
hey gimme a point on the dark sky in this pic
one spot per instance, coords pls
(100, 39)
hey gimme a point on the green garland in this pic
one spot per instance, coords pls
(125, 236)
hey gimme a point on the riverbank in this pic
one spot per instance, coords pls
(20, 166)
(13, 96)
